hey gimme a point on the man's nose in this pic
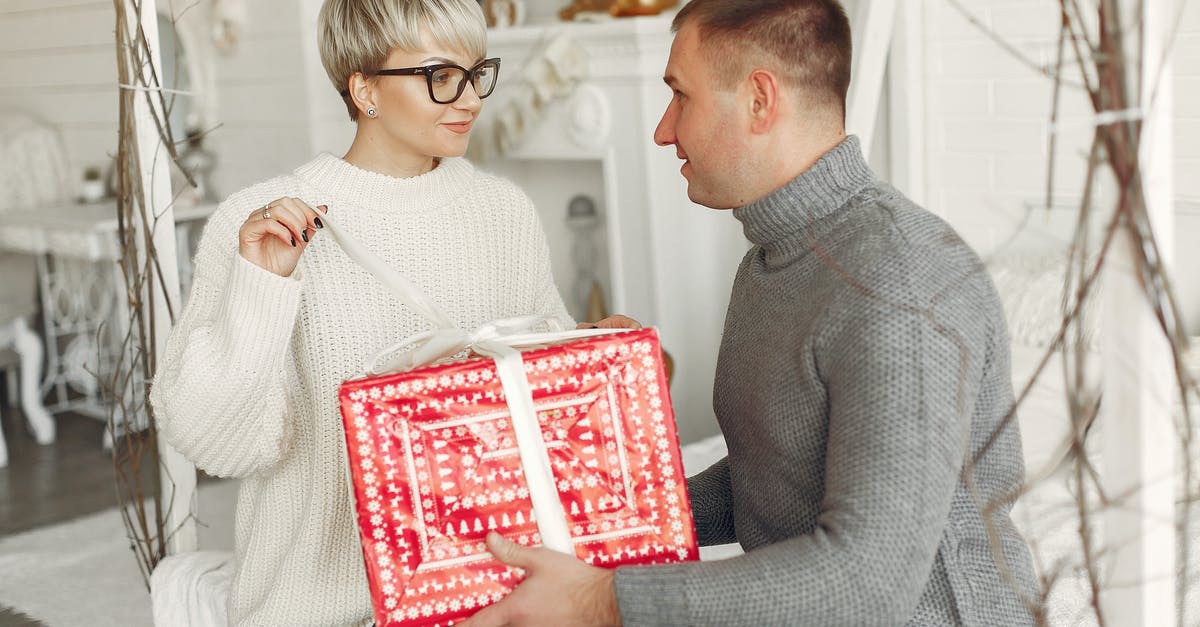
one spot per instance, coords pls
(664, 133)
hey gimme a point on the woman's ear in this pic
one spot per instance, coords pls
(362, 93)
(765, 90)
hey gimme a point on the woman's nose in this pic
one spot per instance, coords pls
(469, 98)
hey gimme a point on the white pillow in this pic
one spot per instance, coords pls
(1031, 289)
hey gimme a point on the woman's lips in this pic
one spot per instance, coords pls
(461, 128)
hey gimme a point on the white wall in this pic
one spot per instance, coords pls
(987, 122)
(267, 97)
(57, 62)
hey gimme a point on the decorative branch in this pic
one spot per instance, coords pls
(140, 493)
(1107, 75)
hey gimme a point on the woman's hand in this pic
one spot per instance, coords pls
(612, 322)
(274, 236)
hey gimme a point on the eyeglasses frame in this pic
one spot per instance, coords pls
(429, 70)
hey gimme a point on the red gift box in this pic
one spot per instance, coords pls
(435, 464)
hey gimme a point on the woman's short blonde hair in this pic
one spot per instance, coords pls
(358, 35)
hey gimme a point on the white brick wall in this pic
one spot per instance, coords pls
(987, 128)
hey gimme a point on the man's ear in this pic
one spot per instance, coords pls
(361, 92)
(765, 91)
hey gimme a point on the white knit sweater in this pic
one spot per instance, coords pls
(248, 384)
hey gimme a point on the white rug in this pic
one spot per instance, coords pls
(83, 572)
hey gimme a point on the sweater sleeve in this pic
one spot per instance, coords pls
(901, 385)
(219, 394)
(712, 504)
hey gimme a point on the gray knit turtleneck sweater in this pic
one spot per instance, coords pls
(864, 366)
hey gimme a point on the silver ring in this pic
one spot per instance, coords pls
(266, 214)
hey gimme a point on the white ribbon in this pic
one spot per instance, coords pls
(497, 340)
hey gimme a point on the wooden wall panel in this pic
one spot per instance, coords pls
(87, 25)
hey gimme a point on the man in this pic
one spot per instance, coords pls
(863, 381)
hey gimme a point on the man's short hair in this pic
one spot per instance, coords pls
(809, 39)
(358, 35)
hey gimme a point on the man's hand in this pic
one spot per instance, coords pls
(557, 590)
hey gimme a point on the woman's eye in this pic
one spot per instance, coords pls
(441, 76)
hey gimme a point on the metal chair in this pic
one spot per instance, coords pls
(33, 172)
(17, 302)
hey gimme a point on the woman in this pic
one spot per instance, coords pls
(279, 316)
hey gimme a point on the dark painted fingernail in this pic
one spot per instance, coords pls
(317, 221)
(293, 241)
(324, 208)
(304, 235)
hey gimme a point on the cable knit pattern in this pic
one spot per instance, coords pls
(864, 362)
(248, 384)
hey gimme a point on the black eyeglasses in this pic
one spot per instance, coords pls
(447, 81)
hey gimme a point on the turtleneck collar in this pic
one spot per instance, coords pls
(347, 183)
(816, 193)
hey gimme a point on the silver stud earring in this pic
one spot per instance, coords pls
(370, 112)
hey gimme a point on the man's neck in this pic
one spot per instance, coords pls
(792, 156)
